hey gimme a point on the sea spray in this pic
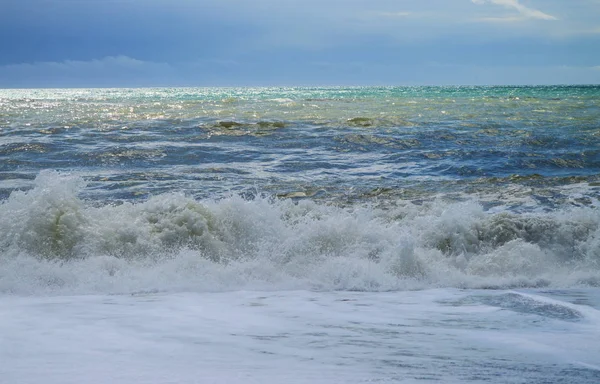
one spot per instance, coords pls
(56, 241)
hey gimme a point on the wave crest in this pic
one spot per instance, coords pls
(54, 240)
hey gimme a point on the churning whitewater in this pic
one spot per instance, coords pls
(57, 242)
(322, 235)
(371, 189)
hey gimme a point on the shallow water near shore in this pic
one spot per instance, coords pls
(372, 234)
(449, 336)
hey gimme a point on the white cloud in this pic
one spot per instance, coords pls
(524, 12)
(507, 19)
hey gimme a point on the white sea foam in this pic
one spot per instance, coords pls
(53, 241)
(429, 336)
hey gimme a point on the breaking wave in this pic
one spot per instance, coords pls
(52, 240)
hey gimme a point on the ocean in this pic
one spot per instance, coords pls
(300, 235)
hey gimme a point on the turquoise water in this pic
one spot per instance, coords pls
(134, 143)
(323, 235)
(398, 187)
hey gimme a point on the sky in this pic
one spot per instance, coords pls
(145, 43)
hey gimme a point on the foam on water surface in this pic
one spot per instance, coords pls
(349, 235)
(298, 337)
(344, 141)
(56, 242)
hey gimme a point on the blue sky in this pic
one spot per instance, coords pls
(112, 43)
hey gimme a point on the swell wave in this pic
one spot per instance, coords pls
(52, 240)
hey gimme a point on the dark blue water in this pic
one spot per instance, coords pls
(133, 143)
(320, 188)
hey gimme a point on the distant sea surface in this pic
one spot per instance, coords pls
(362, 234)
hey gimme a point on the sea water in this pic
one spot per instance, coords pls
(268, 235)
